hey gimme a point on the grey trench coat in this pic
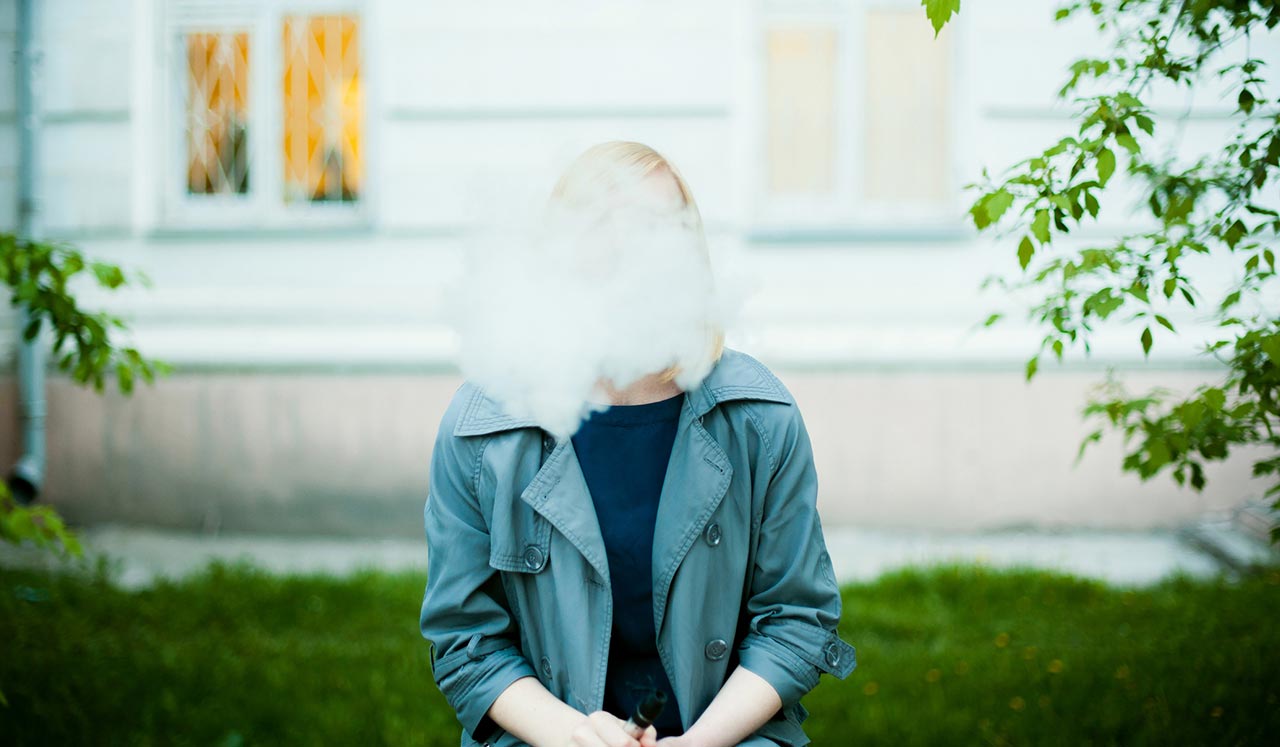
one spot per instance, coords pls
(518, 582)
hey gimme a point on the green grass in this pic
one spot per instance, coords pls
(947, 655)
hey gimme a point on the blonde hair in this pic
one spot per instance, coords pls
(599, 167)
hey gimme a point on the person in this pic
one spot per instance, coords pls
(672, 544)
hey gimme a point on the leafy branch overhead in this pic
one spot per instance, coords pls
(1210, 205)
(38, 274)
(39, 525)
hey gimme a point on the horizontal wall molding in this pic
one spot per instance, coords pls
(449, 366)
(1066, 112)
(72, 116)
(826, 235)
(405, 114)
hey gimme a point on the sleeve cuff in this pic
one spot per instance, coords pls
(789, 674)
(480, 684)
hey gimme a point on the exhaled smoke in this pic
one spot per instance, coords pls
(615, 285)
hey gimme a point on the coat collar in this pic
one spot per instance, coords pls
(736, 375)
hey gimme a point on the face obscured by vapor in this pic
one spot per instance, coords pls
(612, 280)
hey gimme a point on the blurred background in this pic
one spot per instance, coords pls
(298, 178)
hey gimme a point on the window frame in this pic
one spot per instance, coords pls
(845, 211)
(264, 207)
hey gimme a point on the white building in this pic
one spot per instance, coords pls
(295, 177)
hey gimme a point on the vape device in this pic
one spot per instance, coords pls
(646, 712)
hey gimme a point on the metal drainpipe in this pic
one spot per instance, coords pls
(27, 476)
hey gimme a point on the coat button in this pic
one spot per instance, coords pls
(713, 534)
(546, 668)
(533, 558)
(548, 443)
(833, 655)
(716, 649)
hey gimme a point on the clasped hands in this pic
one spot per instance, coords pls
(603, 729)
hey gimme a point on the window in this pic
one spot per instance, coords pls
(267, 116)
(905, 108)
(321, 108)
(217, 113)
(801, 104)
(855, 117)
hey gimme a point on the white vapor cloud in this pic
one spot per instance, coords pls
(556, 296)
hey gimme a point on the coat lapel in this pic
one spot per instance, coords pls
(559, 493)
(698, 475)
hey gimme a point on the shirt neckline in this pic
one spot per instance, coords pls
(649, 412)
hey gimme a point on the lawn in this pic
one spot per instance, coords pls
(947, 655)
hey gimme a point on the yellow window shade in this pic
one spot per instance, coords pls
(322, 109)
(217, 113)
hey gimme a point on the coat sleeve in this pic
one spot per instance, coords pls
(793, 598)
(475, 651)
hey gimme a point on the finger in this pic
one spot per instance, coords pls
(609, 728)
(649, 738)
(584, 735)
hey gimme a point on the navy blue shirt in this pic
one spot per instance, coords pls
(624, 452)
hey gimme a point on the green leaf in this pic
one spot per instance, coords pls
(108, 274)
(1040, 226)
(1246, 100)
(1168, 325)
(1271, 347)
(1126, 99)
(1025, 250)
(1234, 233)
(1102, 303)
(125, 377)
(939, 12)
(1146, 341)
(32, 329)
(997, 203)
(1158, 452)
(1106, 165)
(988, 208)
(979, 213)
(992, 319)
(1127, 142)
(1032, 365)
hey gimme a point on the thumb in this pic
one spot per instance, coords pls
(649, 738)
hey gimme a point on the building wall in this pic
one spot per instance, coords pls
(347, 453)
(313, 355)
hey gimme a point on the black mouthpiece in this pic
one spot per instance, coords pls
(648, 710)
